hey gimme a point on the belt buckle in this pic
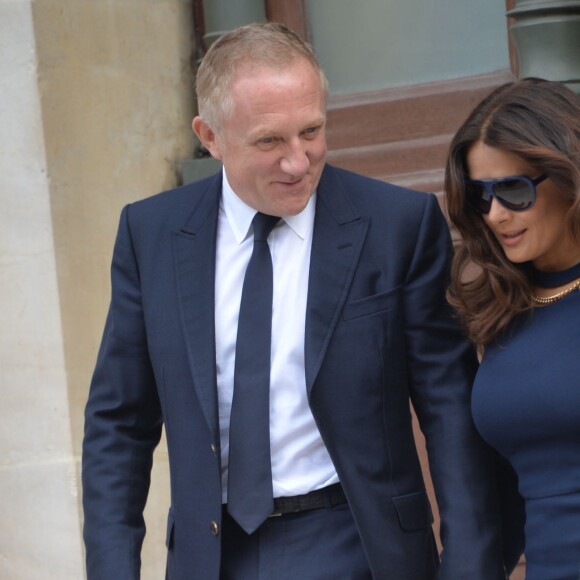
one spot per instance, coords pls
(275, 515)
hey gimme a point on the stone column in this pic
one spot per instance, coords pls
(40, 532)
(95, 111)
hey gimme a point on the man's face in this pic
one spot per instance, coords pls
(274, 146)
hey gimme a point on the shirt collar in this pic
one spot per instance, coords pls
(240, 215)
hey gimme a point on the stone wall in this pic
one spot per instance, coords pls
(96, 101)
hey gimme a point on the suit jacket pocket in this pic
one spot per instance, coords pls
(413, 511)
(371, 304)
(170, 526)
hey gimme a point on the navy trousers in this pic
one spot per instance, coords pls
(321, 544)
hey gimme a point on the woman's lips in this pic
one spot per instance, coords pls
(511, 238)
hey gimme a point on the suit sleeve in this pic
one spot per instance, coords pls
(441, 366)
(122, 427)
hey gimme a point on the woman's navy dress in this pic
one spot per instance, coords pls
(526, 404)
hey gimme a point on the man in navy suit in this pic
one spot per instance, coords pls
(359, 326)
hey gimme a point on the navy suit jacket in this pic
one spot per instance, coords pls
(378, 333)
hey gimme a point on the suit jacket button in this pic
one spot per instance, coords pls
(215, 529)
(214, 448)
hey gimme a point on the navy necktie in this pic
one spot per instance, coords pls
(250, 496)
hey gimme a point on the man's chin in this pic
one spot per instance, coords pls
(296, 205)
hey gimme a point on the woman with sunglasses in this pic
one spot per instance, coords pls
(513, 193)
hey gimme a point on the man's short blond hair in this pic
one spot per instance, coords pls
(259, 45)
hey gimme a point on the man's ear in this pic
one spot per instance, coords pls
(208, 137)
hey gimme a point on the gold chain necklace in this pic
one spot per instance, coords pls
(555, 297)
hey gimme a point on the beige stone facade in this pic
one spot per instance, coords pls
(96, 100)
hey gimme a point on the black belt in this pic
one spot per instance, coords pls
(326, 497)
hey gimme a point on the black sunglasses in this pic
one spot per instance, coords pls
(517, 193)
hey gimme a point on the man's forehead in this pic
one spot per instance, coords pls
(264, 69)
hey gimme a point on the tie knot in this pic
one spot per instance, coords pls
(263, 225)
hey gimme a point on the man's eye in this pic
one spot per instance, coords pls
(267, 140)
(311, 131)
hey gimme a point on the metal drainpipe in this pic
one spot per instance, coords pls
(547, 39)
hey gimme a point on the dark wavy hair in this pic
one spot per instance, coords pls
(539, 121)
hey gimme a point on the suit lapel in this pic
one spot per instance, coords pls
(194, 248)
(339, 233)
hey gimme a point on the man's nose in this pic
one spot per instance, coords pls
(295, 160)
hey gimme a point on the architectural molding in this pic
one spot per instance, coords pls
(402, 134)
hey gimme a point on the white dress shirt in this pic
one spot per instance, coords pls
(300, 460)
